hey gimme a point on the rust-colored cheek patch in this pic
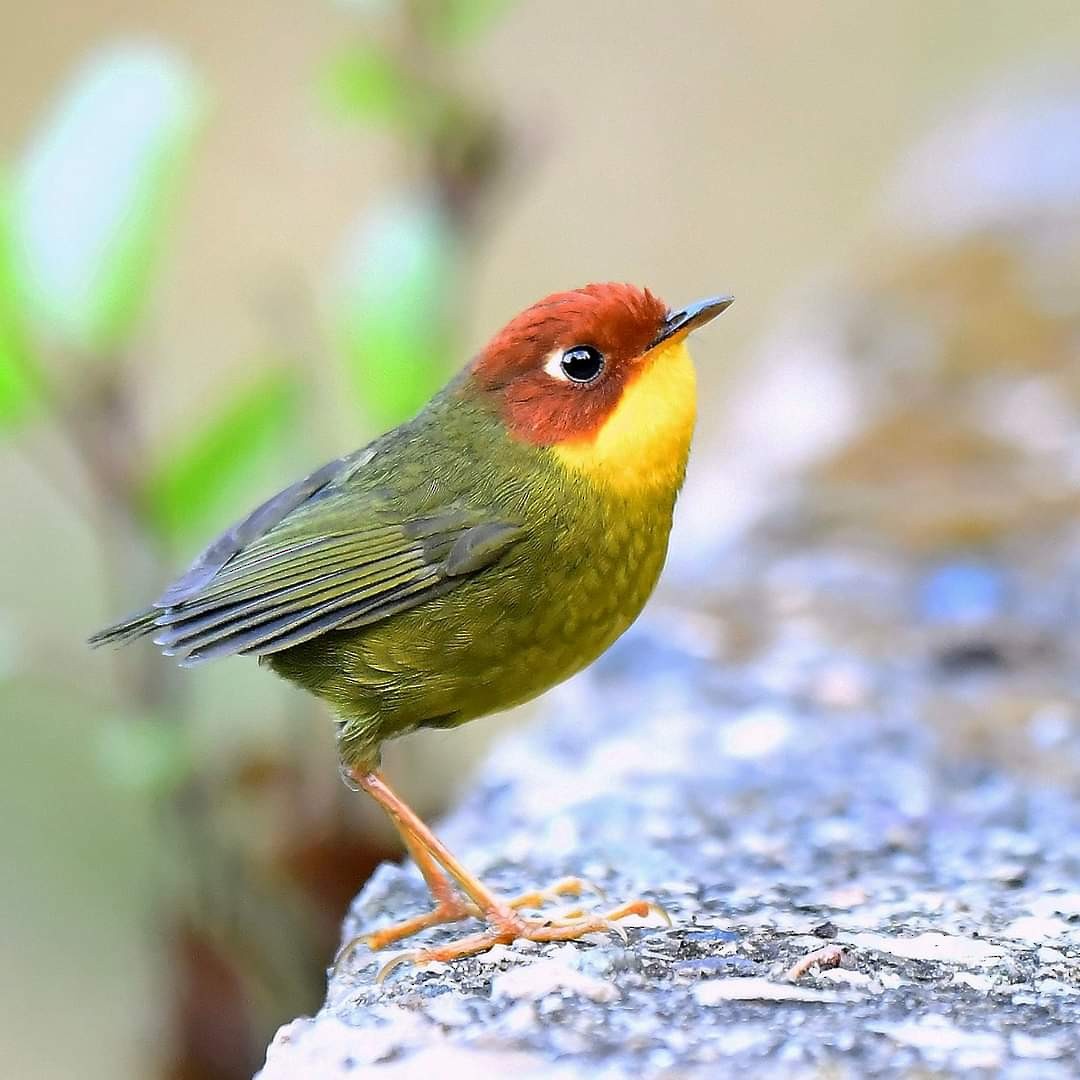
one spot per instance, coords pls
(540, 411)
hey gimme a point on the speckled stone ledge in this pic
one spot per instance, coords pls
(848, 898)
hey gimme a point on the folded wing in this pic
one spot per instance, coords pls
(308, 562)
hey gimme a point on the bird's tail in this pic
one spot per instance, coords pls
(135, 626)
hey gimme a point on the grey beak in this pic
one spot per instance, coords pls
(691, 317)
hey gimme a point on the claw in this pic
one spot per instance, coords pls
(616, 930)
(394, 963)
(660, 912)
(345, 953)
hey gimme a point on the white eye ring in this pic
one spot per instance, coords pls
(579, 365)
(553, 365)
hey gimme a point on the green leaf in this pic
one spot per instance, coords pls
(212, 469)
(367, 83)
(461, 19)
(94, 192)
(19, 383)
(396, 306)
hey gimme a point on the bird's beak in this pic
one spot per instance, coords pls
(680, 323)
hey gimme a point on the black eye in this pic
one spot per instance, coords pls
(582, 363)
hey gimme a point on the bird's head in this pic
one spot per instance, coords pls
(600, 375)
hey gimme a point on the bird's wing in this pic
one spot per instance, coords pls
(317, 557)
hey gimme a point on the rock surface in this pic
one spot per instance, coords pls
(848, 893)
(847, 760)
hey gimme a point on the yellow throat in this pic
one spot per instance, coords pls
(643, 445)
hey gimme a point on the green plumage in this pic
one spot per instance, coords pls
(443, 572)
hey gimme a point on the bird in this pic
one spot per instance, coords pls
(465, 562)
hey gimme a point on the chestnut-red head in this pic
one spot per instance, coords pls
(559, 371)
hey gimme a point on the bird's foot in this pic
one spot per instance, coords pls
(506, 927)
(452, 908)
(459, 894)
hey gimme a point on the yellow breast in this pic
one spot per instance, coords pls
(644, 443)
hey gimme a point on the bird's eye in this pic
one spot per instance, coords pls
(581, 364)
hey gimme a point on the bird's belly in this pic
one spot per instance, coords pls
(497, 640)
(525, 652)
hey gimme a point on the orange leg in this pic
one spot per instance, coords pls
(439, 866)
(449, 906)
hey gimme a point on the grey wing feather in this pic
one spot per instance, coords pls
(477, 547)
(263, 518)
(314, 558)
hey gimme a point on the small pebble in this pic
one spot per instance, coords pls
(715, 991)
(533, 981)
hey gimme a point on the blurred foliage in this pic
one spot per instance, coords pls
(365, 82)
(249, 914)
(145, 755)
(93, 194)
(395, 307)
(445, 20)
(403, 267)
(18, 381)
(213, 467)
(460, 19)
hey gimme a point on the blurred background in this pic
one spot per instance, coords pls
(237, 240)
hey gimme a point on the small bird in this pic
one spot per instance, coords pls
(466, 561)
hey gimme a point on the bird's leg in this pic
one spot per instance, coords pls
(447, 899)
(504, 922)
(439, 885)
(422, 839)
(449, 905)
